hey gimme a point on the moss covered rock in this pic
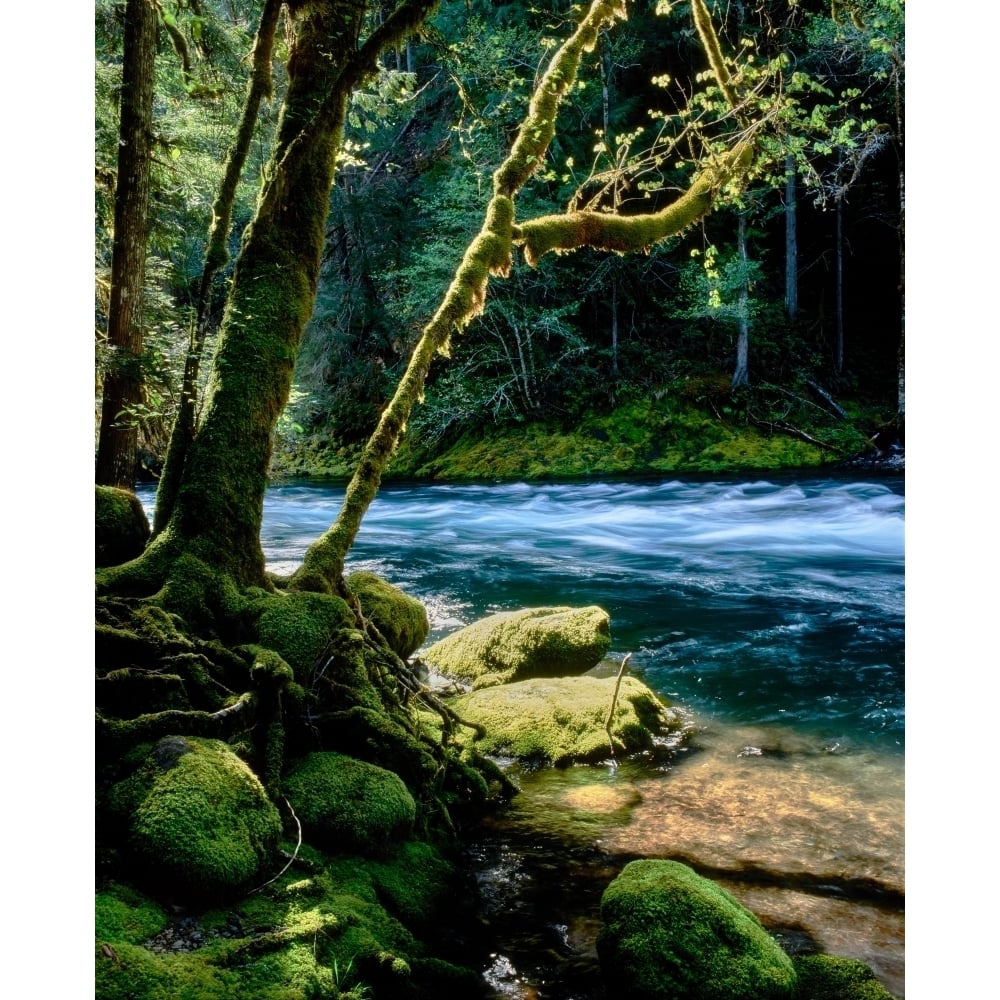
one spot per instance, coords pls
(826, 977)
(562, 720)
(400, 618)
(199, 822)
(516, 645)
(121, 527)
(349, 805)
(670, 933)
(299, 625)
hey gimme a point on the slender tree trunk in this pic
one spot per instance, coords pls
(838, 358)
(123, 390)
(741, 373)
(791, 241)
(614, 338)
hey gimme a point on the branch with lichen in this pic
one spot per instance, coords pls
(710, 43)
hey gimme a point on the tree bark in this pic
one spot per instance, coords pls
(791, 241)
(123, 389)
(741, 372)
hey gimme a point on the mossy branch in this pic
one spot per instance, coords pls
(633, 233)
(710, 43)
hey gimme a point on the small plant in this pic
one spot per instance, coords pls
(359, 991)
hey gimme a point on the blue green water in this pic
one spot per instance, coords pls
(763, 601)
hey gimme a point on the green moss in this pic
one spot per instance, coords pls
(123, 914)
(562, 720)
(299, 625)
(349, 805)
(825, 977)
(533, 642)
(121, 527)
(201, 823)
(669, 932)
(400, 618)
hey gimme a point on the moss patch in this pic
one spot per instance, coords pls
(825, 977)
(121, 528)
(671, 933)
(561, 720)
(534, 642)
(349, 805)
(200, 824)
(298, 625)
(400, 618)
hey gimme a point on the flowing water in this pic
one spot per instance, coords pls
(771, 612)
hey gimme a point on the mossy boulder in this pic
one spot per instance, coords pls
(349, 805)
(300, 625)
(400, 618)
(562, 720)
(827, 977)
(517, 645)
(670, 933)
(199, 823)
(121, 526)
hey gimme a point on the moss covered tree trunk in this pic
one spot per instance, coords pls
(217, 511)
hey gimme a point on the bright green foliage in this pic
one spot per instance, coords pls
(563, 720)
(199, 820)
(826, 977)
(400, 618)
(533, 642)
(670, 933)
(347, 805)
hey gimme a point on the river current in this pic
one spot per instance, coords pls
(770, 611)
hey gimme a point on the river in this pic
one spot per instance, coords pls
(770, 611)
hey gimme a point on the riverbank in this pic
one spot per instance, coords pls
(640, 438)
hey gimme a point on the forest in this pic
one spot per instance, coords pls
(411, 241)
(781, 310)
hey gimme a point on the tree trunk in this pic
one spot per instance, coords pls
(791, 241)
(219, 503)
(123, 390)
(216, 257)
(741, 373)
(838, 357)
(614, 338)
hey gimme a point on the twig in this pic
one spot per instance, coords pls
(291, 860)
(614, 701)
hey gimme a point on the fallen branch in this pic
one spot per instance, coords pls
(291, 860)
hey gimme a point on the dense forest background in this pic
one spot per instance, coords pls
(786, 302)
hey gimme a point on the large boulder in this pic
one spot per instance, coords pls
(121, 528)
(516, 645)
(349, 805)
(670, 933)
(198, 820)
(400, 618)
(562, 720)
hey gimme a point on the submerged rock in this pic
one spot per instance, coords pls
(562, 720)
(670, 933)
(516, 645)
